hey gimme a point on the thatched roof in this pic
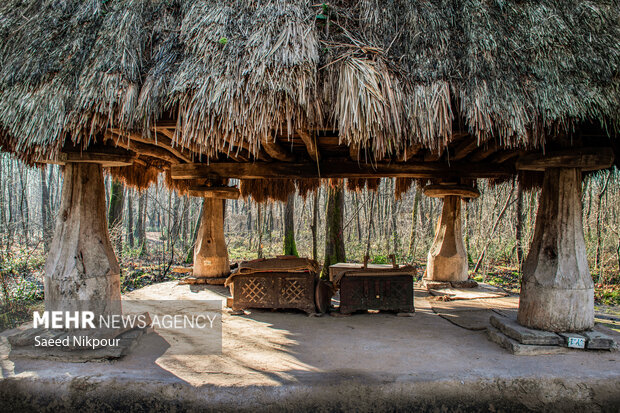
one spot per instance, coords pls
(229, 74)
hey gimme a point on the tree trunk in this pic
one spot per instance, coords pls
(599, 206)
(414, 223)
(447, 258)
(45, 212)
(23, 204)
(314, 226)
(115, 213)
(395, 239)
(130, 239)
(357, 218)
(210, 252)
(289, 227)
(334, 240)
(557, 292)
(260, 232)
(82, 272)
(140, 231)
(519, 227)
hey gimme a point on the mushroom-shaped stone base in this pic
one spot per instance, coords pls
(210, 252)
(557, 292)
(447, 258)
(81, 272)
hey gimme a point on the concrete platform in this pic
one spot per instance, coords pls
(289, 361)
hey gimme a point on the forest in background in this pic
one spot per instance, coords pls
(153, 231)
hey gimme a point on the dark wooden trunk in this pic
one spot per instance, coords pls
(392, 293)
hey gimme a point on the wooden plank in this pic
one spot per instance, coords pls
(337, 168)
(222, 192)
(587, 159)
(311, 147)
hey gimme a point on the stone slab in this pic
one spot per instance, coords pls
(599, 341)
(519, 349)
(525, 335)
(475, 320)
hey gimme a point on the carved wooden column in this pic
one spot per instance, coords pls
(557, 292)
(447, 258)
(211, 263)
(81, 272)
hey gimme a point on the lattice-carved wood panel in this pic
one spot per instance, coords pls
(254, 290)
(274, 290)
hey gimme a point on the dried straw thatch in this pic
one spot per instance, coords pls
(384, 74)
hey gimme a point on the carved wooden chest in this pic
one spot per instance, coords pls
(284, 282)
(376, 287)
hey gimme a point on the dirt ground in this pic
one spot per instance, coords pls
(289, 361)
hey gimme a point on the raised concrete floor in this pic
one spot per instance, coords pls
(289, 361)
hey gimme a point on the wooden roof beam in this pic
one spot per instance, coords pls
(150, 150)
(162, 141)
(433, 155)
(276, 151)
(310, 142)
(483, 153)
(337, 168)
(464, 148)
(411, 151)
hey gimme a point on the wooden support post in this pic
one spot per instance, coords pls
(210, 252)
(557, 292)
(447, 258)
(81, 272)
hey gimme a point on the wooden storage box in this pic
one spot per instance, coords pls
(375, 287)
(275, 283)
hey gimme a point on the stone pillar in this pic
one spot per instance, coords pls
(81, 272)
(557, 292)
(447, 258)
(210, 252)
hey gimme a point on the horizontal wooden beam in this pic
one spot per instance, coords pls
(107, 160)
(586, 159)
(441, 191)
(223, 192)
(337, 168)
